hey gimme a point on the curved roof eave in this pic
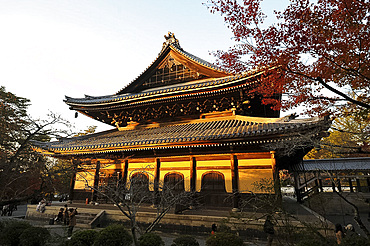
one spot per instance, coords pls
(196, 86)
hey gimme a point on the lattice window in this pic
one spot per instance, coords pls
(171, 75)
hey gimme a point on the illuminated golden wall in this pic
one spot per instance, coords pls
(251, 168)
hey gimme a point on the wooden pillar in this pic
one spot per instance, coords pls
(275, 175)
(125, 173)
(235, 182)
(358, 185)
(339, 185)
(193, 174)
(296, 186)
(320, 185)
(350, 184)
(320, 182)
(156, 180)
(73, 179)
(157, 174)
(94, 195)
(333, 186)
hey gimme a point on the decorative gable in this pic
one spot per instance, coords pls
(173, 66)
(171, 71)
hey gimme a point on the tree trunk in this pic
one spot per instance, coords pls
(133, 232)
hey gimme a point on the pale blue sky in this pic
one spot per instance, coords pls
(53, 48)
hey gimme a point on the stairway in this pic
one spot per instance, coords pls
(84, 220)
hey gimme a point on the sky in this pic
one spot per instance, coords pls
(50, 49)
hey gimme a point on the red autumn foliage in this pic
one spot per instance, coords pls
(317, 47)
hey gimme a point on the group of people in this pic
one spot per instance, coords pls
(7, 209)
(41, 206)
(348, 232)
(67, 216)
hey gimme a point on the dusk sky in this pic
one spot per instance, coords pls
(51, 49)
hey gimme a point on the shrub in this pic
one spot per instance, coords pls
(308, 238)
(11, 232)
(355, 241)
(114, 235)
(224, 228)
(83, 238)
(224, 239)
(150, 239)
(34, 236)
(185, 241)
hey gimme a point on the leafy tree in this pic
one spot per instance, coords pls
(313, 46)
(22, 171)
(60, 170)
(349, 137)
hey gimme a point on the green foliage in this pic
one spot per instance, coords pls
(185, 241)
(11, 231)
(355, 241)
(34, 236)
(150, 239)
(224, 239)
(20, 165)
(83, 238)
(114, 235)
(349, 137)
(307, 237)
(224, 228)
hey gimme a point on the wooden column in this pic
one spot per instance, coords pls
(73, 179)
(320, 182)
(193, 174)
(333, 186)
(296, 186)
(235, 182)
(125, 173)
(156, 180)
(358, 185)
(350, 184)
(339, 185)
(94, 195)
(275, 175)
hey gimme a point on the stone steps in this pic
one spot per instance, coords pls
(83, 219)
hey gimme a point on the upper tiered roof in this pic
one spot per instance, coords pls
(174, 77)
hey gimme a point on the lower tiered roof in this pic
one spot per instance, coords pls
(211, 130)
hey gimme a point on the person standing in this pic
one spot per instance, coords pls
(214, 229)
(65, 215)
(268, 228)
(339, 233)
(72, 221)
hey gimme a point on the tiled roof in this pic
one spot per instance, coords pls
(195, 133)
(195, 86)
(336, 164)
(196, 59)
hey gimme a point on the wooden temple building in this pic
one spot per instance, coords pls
(187, 121)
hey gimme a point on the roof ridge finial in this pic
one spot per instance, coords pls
(170, 39)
